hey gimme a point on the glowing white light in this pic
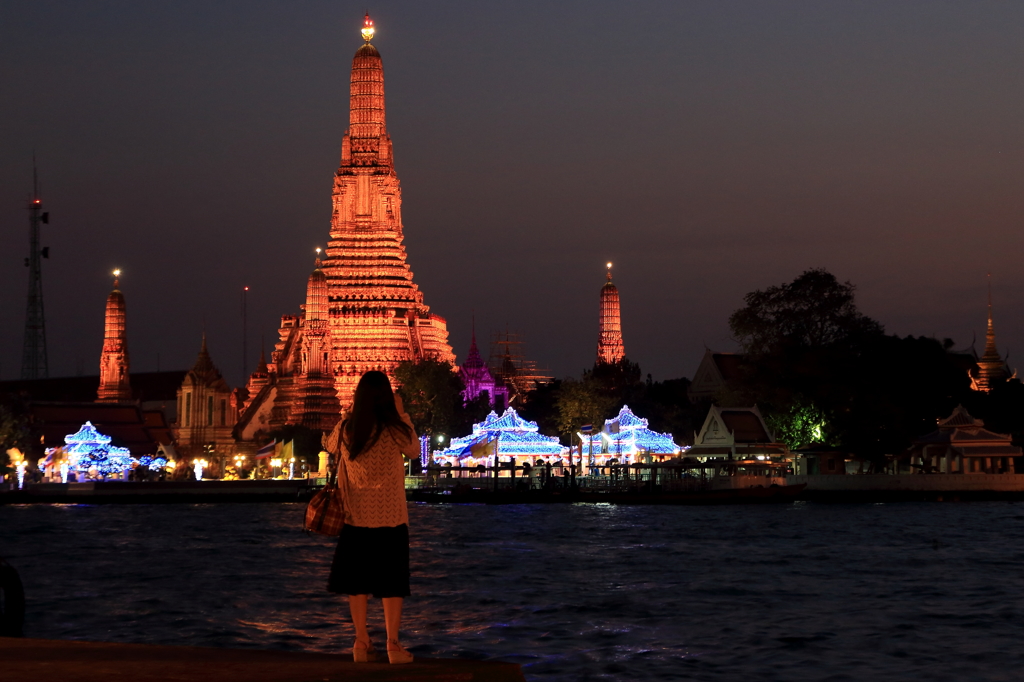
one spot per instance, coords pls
(367, 29)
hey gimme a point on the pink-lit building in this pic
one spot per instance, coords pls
(478, 379)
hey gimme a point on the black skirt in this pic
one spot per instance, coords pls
(371, 561)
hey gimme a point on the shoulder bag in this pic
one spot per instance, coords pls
(325, 513)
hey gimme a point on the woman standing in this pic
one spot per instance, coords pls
(373, 549)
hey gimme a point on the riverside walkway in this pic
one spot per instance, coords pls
(34, 660)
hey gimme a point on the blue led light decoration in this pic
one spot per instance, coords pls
(152, 463)
(625, 438)
(508, 436)
(89, 449)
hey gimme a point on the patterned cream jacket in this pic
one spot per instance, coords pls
(373, 484)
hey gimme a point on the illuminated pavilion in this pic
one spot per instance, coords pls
(508, 436)
(626, 439)
(363, 311)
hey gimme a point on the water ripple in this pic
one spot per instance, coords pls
(575, 592)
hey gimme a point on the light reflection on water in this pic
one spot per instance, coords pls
(801, 592)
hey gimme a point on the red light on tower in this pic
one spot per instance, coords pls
(367, 29)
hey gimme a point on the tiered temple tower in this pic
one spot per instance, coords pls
(363, 311)
(377, 315)
(992, 369)
(114, 386)
(610, 348)
(320, 400)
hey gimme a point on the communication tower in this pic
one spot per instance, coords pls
(34, 363)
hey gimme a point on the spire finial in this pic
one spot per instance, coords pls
(609, 266)
(368, 29)
(317, 262)
(117, 277)
(990, 297)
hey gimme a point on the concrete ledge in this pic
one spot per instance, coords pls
(912, 482)
(41, 660)
(156, 492)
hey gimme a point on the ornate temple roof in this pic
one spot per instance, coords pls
(959, 419)
(474, 367)
(204, 372)
(627, 433)
(713, 373)
(965, 434)
(514, 436)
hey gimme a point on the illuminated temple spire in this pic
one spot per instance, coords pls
(363, 311)
(992, 368)
(377, 314)
(114, 386)
(319, 399)
(610, 348)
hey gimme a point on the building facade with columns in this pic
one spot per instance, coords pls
(207, 411)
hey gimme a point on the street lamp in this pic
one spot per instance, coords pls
(239, 465)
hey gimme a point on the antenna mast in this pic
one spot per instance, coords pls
(34, 364)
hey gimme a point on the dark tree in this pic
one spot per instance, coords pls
(893, 391)
(432, 393)
(812, 311)
(824, 373)
(582, 402)
(542, 407)
(603, 390)
(800, 340)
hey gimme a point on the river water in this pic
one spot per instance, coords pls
(571, 592)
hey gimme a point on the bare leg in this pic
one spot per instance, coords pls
(392, 619)
(357, 607)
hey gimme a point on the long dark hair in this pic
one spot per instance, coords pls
(373, 410)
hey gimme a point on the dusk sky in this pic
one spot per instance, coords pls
(706, 148)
